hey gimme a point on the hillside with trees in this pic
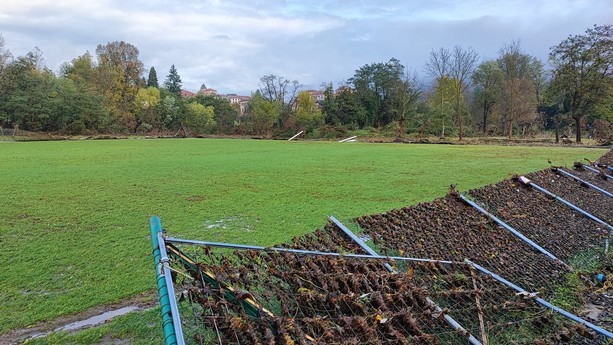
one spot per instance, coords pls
(459, 95)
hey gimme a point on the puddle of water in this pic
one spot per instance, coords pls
(98, 319)
(92, 321)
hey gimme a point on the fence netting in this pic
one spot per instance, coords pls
(268, 296)
(340, 300)
(567, 234)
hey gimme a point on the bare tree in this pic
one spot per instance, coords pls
(406, 96)
(438, 65)
(519, 100)
(278, 89)
(281, 91)
(463, 63)
(438, 68)
(5, 54)
(458, 66)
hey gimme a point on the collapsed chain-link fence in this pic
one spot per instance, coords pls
(325, 288)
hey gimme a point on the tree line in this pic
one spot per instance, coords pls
(512, 95)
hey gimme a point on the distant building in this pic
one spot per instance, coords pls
(187, 94)
(237, 100)
(207, 92)
(318, 96)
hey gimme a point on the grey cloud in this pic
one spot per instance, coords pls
(230, 45)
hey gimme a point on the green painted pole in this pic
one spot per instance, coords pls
(169, 332)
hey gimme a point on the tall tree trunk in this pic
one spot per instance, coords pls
(442, 115)
(484, 118)
(459, 117)
(556, 121)
(401, 127)
(577, 118)
(510, 129)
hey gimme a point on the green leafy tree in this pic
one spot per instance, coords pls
(199, 118)
(152, 80)
(170, 110)
(92, 113)
(64, 108)
(118, 76)
(350, 111)
(81, 70)
(263, 113)
(26, 89)
(226, 115)
(93, 107)
(375, 87)
(487, 80)
(173, 82)
(329, 106)
(308, 115)
(147, 101)
(583, 65)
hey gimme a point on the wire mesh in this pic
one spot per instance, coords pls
(606, 159)
(598, 177)
(328, 300)
(554, 226)
(449, 229)
(270, 297)
(582, 196)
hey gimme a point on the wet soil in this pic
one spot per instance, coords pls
(91, 317)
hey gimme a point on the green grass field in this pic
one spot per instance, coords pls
(74, 231)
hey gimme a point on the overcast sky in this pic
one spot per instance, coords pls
(229, 45)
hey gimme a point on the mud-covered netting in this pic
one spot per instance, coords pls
(302, 299)
(277, 297)
(569, 235)
(449, 229)
(588, 199)
(606, 159)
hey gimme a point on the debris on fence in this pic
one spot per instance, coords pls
(478, 268)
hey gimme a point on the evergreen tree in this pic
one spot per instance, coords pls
(152, 81)
(173, 81)
(329, 106)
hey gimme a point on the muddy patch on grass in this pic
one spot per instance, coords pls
(89, 318)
